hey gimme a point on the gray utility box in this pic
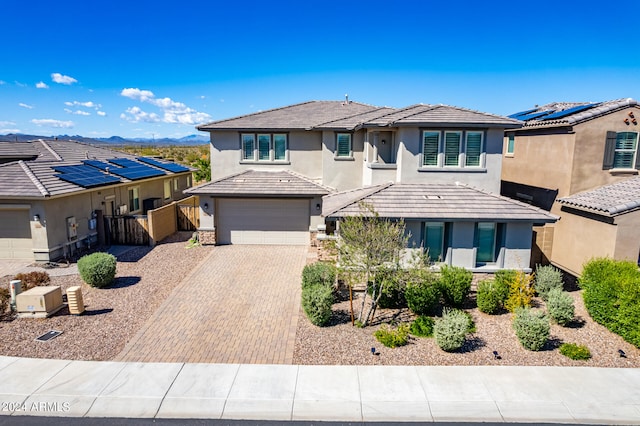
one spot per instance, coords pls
(39, 302)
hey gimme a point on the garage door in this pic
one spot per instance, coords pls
(15, 235)
(264, 221)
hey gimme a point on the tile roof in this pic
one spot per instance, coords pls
(17, 150)
(451, 202)
(36, 178)
(262, 183)
(596, 109)
(609, 200)
(421, 114)
(306, 115)
(352, 115)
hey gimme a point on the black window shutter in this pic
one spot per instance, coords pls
(609, 150)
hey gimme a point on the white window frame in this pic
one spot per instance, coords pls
(260, 137)
(175, 184)
(337, 151)
(167, 189)
(481, 155)
(133, 196)
(286, 146)
(624, 150)
(255, 138)
(438, 149)
(243, 151)
(511, 144)
(444, 148)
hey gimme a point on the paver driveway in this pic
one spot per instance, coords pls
(240, 305)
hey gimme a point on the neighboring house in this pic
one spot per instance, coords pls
(273, 171)
(53, 192)
(562, 150)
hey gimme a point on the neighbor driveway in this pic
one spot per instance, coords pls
(240, 305)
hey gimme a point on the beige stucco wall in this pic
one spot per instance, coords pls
(577, 239)
(342, 173)
(589, 153)
(628, 237)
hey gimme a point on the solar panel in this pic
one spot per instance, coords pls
(84, 176)
(569, 111)
(533, 116)
(125, 168)
(518, 114)
(172, 167)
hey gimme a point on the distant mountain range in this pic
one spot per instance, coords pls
(113, 140)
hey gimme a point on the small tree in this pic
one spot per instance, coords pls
(368, 244)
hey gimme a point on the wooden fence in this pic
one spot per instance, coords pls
(188, 214)
(127, 230)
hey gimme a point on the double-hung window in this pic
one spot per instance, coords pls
(430, 148)
(343, 145)
(264, 147)
(473, 149)
(625, 151)
(452, 148)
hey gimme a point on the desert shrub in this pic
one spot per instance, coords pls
(560, 306)
(450, 330)
(316, 303)
(422, 292)
(532, 328)
(33, 279)
(520, 292)
(575, 352)
(491, 296)
(5, 296)
(455, 284)
(505, 277)
(547, 279)
(97, 269)
(471, 324)
(612, 296)
(393, 337)
(393, 285)
(318, 273)
(422, 326)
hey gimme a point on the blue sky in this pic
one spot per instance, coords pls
(156, 69)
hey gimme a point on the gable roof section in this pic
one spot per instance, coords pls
(570, 113)
(17, 151)
(421, 114)
(608, 200)
(303, 116)
(447, 202)
(257, 183)
(37, 178)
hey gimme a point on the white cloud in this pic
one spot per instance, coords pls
(87, 104)
(135, 115)
(5, 131)
(23, 105)
(49, 122)
(173, 112)
(78, 112)
(62, 79)
(2, 82)
(7, 123)
(42, 85)
(101, 113)
(19, 84)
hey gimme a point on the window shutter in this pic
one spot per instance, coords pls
(430, 148)
(474, 148)
(451, 149)
(344, 145)
(609, 151)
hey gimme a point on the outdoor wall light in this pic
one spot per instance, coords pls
(318, 206)
(36, 217)
(206, 206)
(383, 142)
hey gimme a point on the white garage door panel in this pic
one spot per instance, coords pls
(251, 221)
(15, 235)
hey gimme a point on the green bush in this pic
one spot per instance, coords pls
(455, 284)
(612, 296)
(318, 273)
(391, 337)
(5, 296)
(575, 352)
(97, 269)
(547, 279)
(316, 303)
(32, 279)
(422, 292)
(560, 306)
(393, 287)
(422, 326)
(491, 296)
(451, 330)
(520, 292)
(471, 324)
(532, 328)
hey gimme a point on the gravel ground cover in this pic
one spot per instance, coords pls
(342, 344)
(145, 277)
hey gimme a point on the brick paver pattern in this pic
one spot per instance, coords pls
(240, 305)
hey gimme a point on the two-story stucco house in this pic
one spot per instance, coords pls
(279, 174)
(578, 161)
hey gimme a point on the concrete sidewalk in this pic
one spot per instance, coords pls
(332, 393)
